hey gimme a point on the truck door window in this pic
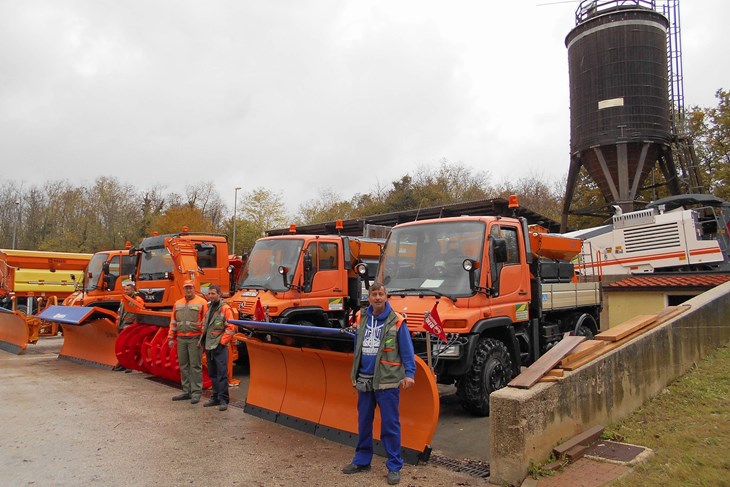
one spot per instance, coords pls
(328, 260)
(129, 265)
(509, 234)
(207, 258)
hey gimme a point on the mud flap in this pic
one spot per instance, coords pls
(310, 389)
(14, 332)
(89, 333)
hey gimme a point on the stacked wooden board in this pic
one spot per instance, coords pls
(573, 352)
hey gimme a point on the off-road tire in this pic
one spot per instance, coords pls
(490, 370)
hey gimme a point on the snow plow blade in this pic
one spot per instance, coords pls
(14, 331)
(310, 389)
(89, 333)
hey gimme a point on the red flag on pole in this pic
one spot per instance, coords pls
(258, 313)
(432, 324)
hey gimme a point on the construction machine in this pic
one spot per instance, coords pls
(30, 281)
(679, 233)
(89, 315)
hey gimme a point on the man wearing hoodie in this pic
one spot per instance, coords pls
(384, 361)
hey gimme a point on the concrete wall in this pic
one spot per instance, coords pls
(525, 425)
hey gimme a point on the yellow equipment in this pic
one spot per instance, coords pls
(30, 281)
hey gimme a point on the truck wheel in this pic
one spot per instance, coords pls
(491, 370)
(584, 330)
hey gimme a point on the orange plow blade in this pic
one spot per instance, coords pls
(310, 389)
(89, 333)
(90, 343)
(14, 331)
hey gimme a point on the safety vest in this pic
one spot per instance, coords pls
(187, 317)
(389, 370)
(217, 329)
(126, 318)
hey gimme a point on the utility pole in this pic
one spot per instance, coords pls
(15, 224)
(235, 207)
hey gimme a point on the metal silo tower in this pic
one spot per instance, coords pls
(622, 114)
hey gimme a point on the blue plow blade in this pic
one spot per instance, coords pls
(67, 315)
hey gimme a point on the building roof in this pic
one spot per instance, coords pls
(664, 281)
(494, 206)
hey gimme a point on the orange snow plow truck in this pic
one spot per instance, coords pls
(505, 294)
(296, 298)
(165, 262)
(30, 281)
(89, 315)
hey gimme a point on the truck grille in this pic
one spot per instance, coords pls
(414, 320)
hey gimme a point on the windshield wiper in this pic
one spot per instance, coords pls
(420, 291)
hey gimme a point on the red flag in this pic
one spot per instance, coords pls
(258, 313)
(432, 324)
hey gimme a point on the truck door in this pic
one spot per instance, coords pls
(328, 277)
(514, 276)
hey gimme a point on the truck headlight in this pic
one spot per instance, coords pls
(449, 351)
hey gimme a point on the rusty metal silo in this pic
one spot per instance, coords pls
(620, 121)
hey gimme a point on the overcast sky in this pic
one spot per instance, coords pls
(299, 96)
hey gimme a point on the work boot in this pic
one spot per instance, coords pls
(181, 397)
(195, 400)
(352, 468)
(223, 406)
(118, 368)
(211, 403)
(393, 477)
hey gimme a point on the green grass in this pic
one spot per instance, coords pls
(687, 426)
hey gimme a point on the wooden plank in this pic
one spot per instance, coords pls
(550, 378)
(626, 328)
(585, 438)
(556, 372)
(662, 317)
(553, 356)
(586, 348)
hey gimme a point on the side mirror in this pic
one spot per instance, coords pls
(499, 246)
(308, 272)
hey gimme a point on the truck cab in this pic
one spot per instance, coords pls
(304, 279)
(505, 294)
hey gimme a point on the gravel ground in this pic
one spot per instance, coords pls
(70, 424)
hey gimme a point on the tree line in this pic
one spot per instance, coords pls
(62, 216)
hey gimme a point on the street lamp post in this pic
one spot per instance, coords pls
(15, 224)
(235, 207)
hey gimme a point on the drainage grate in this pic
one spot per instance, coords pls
(474, 468)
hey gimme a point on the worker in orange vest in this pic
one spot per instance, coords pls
(186, 325)
(216, 335)
(125, 317)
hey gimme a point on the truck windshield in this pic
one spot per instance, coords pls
(154, 263)
(262, 268)
(428, 257)
(93, 272)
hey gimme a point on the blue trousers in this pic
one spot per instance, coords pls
(387, 400)
(218, 372)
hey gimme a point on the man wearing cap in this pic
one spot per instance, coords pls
(186, 325)
(124, 316)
